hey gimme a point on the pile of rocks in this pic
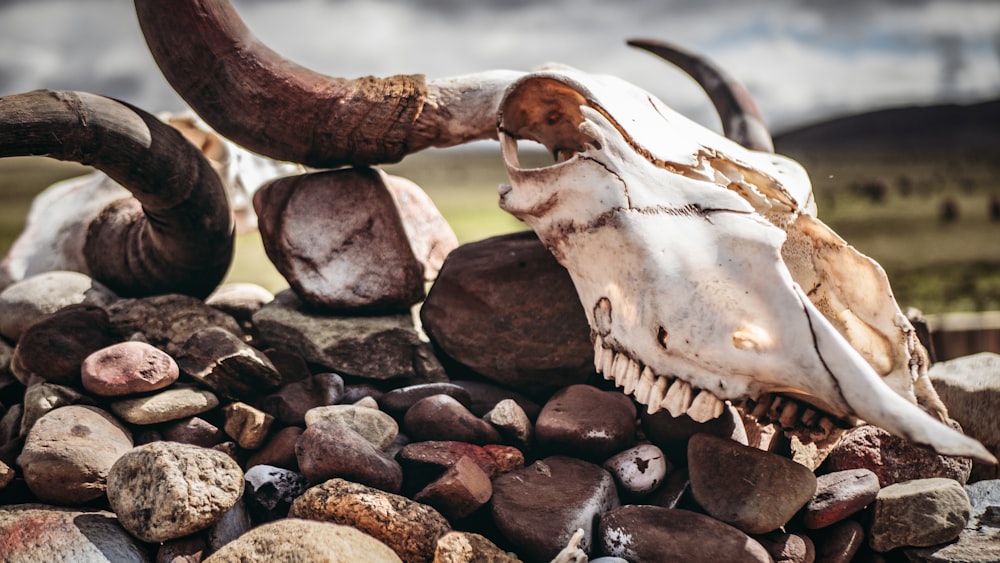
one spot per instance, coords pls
(251, 425)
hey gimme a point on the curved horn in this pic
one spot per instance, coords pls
(741, 120)
(277, 108)
(181, 238)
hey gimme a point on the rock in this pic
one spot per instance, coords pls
(920, 513)
(540, 507)
(295, 539)
(39, 533)
(839, 495)
(893, 459)
(788, 548)
(240, 301)
(247, 425)
(513, 423)
(126, 368)
(586, 422)
(468, 547)
(504, 308)
(397, 401)
(327, 449)
(485, 395)
(290, 403)
(638, 470)
(54, 347)
(672, 434)
(374, 425)
(653, 533)
(358, 391)
(24, 302)
(380, 347)
(179, 401)
(165, 490)
(430, 235)
(69, 452)
(462, 490)
(507, 458)
(337, 237)
(7, 475)
(271, 490)
(279, 450)
(970, 388)
(234, 523)
(195, 431)
(167, 321)
(979, 542)
(753, 490)
(44, 397)
(223, 362)
(190, 549)
(442, 417)
(409, 528)
(839, 543)
(423, 462)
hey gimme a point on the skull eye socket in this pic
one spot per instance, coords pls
(547, 112)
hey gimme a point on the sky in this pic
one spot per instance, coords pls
(803, 60)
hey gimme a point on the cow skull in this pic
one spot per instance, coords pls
(668, 232)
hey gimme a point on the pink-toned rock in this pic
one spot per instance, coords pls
(507, 458)
(838, 495)
(327, 450)
(195, 431)
(126, 368)
(462, 490)
(430, 235)
(586, 422)
(788, 548)
(442, 417)
(39, 533)
(423, 462)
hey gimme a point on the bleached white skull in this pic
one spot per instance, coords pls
(670, 235)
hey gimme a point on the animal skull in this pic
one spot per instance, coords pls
(669, 234)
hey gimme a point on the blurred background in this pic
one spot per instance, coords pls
(892, 105)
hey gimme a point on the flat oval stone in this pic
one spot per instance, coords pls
(328, 449)
(294, 539)
(540, 507)
(69, 452)
(442, 417)
(40, 533)
(166, 490)
(409, 528)
(920, 513)
(126, 368)
(586, 422)
(223, 362)
(398, 401)
(653, 533)
(24, 302)
(174, 403)
(376, 426)
(753, 490)
(839, 495)
(638, 470)
(54, 347)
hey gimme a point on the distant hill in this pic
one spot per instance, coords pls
(973, 127)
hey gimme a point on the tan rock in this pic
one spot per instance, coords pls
(247, 425)
(295, 539)
(174, 403)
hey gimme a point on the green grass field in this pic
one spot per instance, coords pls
(934, 265)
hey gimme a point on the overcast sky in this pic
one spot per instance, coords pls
(802, 59)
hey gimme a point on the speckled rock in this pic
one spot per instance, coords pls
(468, 547)
(653, 533)
(54, 347)
(37, 533)
(376, 426)
(442, 417)
(126, 368)
(69, 452)
(893, 459)
(920, 513)
(753, 490)
(247, 425)
(167, 321)
(507, 458)
(223, 362)
(540, 507)
(294, 539)
(979, 542)
(586, 422)
(179, 401)
(328, 449)
(26, 301)
(290, 403)
(970, 387)
(839, 495)
(409, 528)
(166, 490)
(270, 491)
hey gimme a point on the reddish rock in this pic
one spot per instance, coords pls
(508, 458)
(327, 450)
(195, 431)
(838, 543)
(54, 347)
(838, 495)
(278, 450)
(423, 462)
(788, 548)
(462, 490)
(126, 368)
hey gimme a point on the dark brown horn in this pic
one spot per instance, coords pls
(272, 106)
(181, 238)
(741, 120)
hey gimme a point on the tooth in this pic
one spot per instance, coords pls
(763, 404)
(618, 368)
(705, 407)
(823, 429)
(632, 376)
(787, 418)
(645, 385)
(808, 417)
(599, 351)
(678, 399)
(657, 394)
(608, 362)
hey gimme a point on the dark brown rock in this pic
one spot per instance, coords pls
(485, 395)
(54, 347)
(652, 533)
(788, 548)
(423, 462)
(504, 308)
(462, 490)
(327, 449)
(289, 404)
(223, 362)
(278, 450)
(838, 543)
(672, 434)
(586, 422)
(167, 321)
(126, 368)
(753, 490)
(540, 507)
(838, 495)
(397, 401)
(195, 431)
(338, 239)
(441, 417)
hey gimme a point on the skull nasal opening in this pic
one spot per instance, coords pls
(545, 111)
